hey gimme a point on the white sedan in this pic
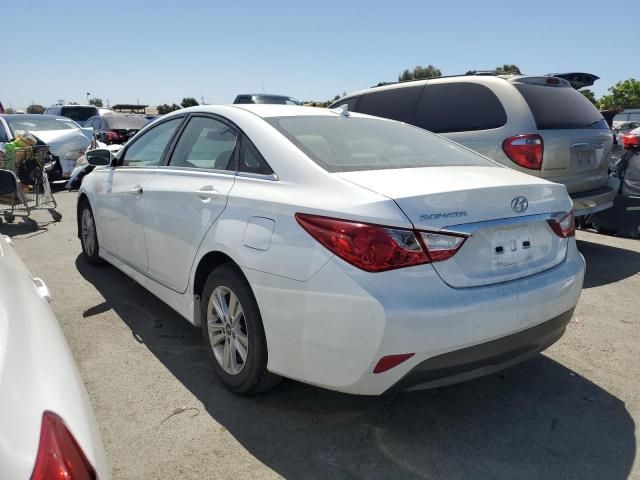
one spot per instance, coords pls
(47, 428)
(346, 251)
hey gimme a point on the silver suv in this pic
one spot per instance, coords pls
(538, 125)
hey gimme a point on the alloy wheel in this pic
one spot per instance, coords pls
(227, 330)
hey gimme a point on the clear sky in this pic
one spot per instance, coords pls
(161, 51)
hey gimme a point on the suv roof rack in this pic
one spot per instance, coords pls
(488, 73)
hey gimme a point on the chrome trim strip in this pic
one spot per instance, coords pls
(259, 176)
(471, 228)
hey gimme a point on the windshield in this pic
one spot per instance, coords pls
(556, 108)
(79, 114)
(346, 144)
(128, 123)
(32, 124)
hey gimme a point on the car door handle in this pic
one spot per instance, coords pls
(206, 193)
(137, 190)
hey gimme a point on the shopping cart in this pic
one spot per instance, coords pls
(24, 186)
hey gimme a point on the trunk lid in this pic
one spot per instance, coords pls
(503, 244)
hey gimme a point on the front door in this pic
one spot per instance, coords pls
(187, 196)
(121, 208)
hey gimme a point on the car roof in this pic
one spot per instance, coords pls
(263, 110)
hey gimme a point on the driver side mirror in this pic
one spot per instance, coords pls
(101, 157)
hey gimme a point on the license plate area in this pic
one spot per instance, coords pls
(582, 160)
(512, 246)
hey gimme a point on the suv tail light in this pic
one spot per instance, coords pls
(376, 248)
(525, 150)
(565, 227)
(59, 455)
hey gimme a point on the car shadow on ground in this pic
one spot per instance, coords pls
(607, 264)
(537, 420)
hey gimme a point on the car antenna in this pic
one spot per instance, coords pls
(342, 110)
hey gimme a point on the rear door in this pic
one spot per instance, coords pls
(187, 195)
(577, 140)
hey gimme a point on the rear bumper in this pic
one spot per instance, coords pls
(486, 358)
(592, 201)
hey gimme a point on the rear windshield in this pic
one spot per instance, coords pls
(79, 114)
(556, 108)
(128, 123)
(347, 144)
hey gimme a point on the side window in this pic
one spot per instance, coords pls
(205, 143)
(3, 133)
(459, 107)
(244, 99)
(250, 159)
(350, 102)
(148, 149)
(397, 103)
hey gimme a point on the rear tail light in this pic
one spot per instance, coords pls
(59, 455)
(375, 248)
(441, 247)
(525, 150)
(565, 227)
(631, 141)
(113, 137)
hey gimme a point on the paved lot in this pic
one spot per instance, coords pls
(570, 413)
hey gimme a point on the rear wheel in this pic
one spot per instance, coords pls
(89, 236)
(233, 333)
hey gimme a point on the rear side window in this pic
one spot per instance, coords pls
(556, 108)
(349, 102)
(205, 143)
(459, 107)
(346, 144)
(251, 161)
(395, 103)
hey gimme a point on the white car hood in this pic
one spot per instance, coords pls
(67, 145)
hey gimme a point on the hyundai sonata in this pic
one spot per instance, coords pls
(346, 251)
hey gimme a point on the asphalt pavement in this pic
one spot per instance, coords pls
(571, 412)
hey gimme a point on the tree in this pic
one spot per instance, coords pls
(164, 108)
(589, 95)
(624, 94)
(96, 102)
(508, 68)
(189, 102)
(35, 109)
(420, 72)
(9, 110)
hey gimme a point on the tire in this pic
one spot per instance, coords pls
(88, 235)
(226, 339)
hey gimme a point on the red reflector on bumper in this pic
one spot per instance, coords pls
(390, 361)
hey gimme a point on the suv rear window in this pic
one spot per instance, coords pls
(79, 114)
(557, 108)
(347, 144)
(394, 103)
(459, 107)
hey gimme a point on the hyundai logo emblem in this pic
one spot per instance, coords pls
(519, 204)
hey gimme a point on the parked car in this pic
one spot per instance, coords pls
(354, 253)
(77, 113)
(629, 114)
(48, 427)
(266, 98)
(116, 129)
(103, 111)
(537, 125)
(625, 126)
(66, 139)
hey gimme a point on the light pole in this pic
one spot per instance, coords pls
(88, 98)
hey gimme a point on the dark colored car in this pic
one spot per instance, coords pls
(266, 98)
(116, 129)
(78, 113)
